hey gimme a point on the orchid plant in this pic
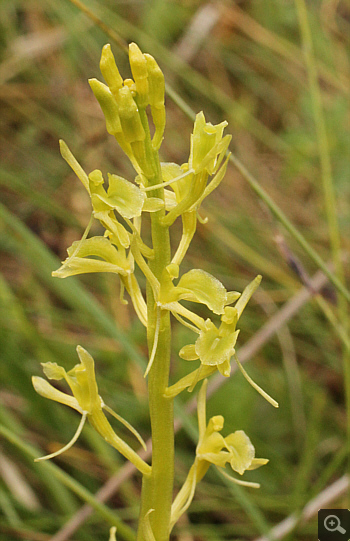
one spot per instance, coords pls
(168, 192)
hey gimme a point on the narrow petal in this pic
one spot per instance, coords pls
(257, 462)
(256, 386)
(69, 445)
(238, 481)
(127, 425)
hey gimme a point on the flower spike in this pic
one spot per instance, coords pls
(167, 191)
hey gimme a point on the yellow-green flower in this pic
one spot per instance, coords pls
(215, 346)
(196, 285)
(189, 182)
(86, 400)
(236, 449)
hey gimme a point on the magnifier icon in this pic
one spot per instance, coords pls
(332, 524)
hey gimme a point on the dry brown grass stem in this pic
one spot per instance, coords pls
(321, 501)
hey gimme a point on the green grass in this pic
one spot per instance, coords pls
(283, 207)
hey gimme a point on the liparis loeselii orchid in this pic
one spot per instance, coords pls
(167, 192)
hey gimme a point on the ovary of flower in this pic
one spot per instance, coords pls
(86, 400)
(236, 449)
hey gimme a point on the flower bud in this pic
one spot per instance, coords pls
(138, 66)
(110, 71)
(108, 105)
(156, 82)
(129, 116)
(156, 99)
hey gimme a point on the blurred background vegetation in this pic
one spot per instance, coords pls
(288, 113)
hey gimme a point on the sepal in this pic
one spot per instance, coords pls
(74, 164)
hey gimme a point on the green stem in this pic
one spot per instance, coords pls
(158, 488)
